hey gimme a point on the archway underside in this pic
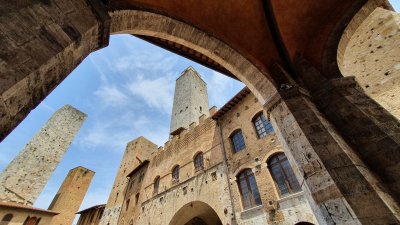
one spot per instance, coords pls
(196, 213)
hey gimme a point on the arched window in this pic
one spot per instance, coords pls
(248, 189)
(175, 174)
(137, 198)
(156, 184)
(237, 140)
(262, 126)
(283, 175)
(198, 161)
(7, 219)
(32, 221)
(127, 204)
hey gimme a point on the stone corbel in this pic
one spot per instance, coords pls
(286, 92)
(100, 10)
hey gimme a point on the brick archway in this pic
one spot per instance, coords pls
(24, 88)
(196, 212)
(155, 25)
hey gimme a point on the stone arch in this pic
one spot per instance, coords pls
(272, 154)
(354, 24)
(339, 38)
(151, 24)
(26, 93)
(368, 50)
(196, 209)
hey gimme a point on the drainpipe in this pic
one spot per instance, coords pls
(227, 168)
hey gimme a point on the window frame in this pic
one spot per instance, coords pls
(290, 183)
(156, 184)
(247, 174)
(241, 142)
(175, 174)
(266, 125)
(7, 218)
(198, 161)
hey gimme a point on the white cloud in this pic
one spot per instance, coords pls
(110, 95)
(156, 93)
(114, 134)
(220, 88)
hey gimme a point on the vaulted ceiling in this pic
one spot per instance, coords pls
(262, 31)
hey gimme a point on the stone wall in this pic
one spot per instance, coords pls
(275, 209)
(27, 174)
(205, 185)
(91, 216)
(372, 56)
(20, 214)
(137, 151)
(216, 181)
(42, 42)
(70, 195)
(190, 100)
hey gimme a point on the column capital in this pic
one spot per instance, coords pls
(100, 10)
(338, 84)
(286, 92)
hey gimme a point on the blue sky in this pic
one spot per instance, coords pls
(127, 90)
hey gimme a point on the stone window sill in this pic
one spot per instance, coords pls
(290, 196)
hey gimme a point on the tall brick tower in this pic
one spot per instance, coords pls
(137, 152)
(190, 100)
(25, 177)
(70, 195)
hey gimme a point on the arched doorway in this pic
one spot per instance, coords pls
(196, 213)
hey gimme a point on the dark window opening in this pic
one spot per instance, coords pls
(7, 219)
(137, 198)
(237, 140)
(248, 189)
(127, 204)
(199, 162)
(175, 174)
(262, 126)
(156, 184)
(283, 175)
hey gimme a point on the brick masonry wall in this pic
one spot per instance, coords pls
(25, 177)
(70, 195)
(190, 100)
(215, 181)
(372, 56)
(41, 42)
(274, 210)
(137, 151)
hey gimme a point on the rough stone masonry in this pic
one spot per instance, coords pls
(25, 177)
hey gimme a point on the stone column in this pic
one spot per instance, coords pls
(41, 42)
(25, 177)
(370, 129)
(339, 187)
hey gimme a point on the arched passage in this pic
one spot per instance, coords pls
(25, 93)
(155, 25)
(196, 213)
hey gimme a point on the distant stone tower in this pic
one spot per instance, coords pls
(137, 152)
(190, 100)
(25, 177)
(70, 195)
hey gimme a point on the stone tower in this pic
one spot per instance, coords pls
(70, 195)
(190, 100)
(137, 152)
(27, 174)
